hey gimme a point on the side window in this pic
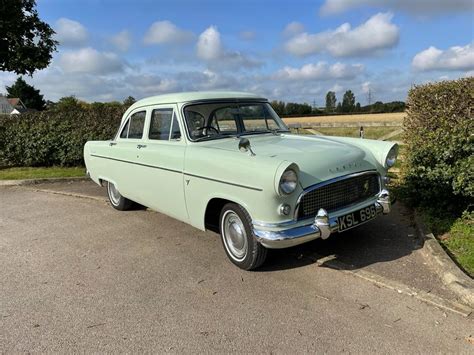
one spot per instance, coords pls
(137, 123)
(134, 126)
(124, 133)
(164, 125)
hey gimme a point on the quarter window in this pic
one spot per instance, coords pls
(164, 125)
(134, 127)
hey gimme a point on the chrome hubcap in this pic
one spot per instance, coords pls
(235, 237)
(113, 194)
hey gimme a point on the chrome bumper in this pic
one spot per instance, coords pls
(322, 227)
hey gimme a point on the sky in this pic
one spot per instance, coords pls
(284, 50)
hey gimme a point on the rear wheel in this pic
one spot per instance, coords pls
(238, 238)
(116, 199)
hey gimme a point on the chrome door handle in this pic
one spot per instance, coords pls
(112, 143)
(139, 146)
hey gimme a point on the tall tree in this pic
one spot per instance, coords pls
(348, 101)
(26, 42)
(30, 96)
(129, 101)
(331, 101)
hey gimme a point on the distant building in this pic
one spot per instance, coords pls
(11, 106)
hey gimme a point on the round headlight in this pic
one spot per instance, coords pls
(391, 157)
(288, 182)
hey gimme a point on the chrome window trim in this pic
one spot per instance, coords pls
(173, 117)
(122, 125)
(330, 181)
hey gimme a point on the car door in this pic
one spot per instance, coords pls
(123, 157)
(163, 155)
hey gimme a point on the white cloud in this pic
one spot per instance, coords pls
(320, 71)
(419, 7)
(366, 87)
(70, 32)
(148, 84)
(89, 60)
(374, 35)
(210, 48)
(209, 45)
(122, 40)
(454, 58)
(166, 32)
(293, 28)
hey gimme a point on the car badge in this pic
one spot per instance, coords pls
(366, 187)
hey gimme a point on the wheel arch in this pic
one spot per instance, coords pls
(213, 210)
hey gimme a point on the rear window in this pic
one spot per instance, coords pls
(133, 129)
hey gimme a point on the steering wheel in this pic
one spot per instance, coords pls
(202, 128)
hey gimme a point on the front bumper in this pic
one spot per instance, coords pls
(321, 227)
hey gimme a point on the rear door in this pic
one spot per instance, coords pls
(123, 158)
(163, 156)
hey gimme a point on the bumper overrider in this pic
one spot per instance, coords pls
(321, 227)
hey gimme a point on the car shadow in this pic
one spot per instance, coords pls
(385, 239)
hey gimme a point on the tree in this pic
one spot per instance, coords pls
(348, 101)
(331, 101)
(279, 107)
(129, 101)
(30, 96)
(26, 42)
(67, 103)
(357, 107)
(339, 107)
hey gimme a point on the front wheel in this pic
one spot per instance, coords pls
(116, 199)
(238, 238)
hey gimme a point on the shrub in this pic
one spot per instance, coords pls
(439, 134)
(55, 137)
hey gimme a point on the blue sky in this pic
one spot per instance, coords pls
(286, 50)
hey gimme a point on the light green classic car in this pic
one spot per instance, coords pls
(226, 162)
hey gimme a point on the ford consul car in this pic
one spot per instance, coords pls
(226, 162)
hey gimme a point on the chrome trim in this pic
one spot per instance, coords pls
(328, 182)
(384, 200)
(274, 225)
(322, 226)
(224, 182)
(179, 172)
(322, 222)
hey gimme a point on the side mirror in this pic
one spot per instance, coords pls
(244, 146)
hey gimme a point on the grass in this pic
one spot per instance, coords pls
(367, 117)
(39, 173)
(456, 235)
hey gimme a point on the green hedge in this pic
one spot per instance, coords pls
(439, 133)
(54, 138)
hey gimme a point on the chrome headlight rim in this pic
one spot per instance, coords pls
(391, 157)
(288, 182)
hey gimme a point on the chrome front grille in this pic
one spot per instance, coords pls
(340, 193)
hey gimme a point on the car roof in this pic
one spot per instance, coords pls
(180, 97)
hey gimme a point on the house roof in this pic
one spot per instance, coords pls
(15, 102)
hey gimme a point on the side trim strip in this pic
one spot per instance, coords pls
(180, 172)
(224, 182)
(131, 162)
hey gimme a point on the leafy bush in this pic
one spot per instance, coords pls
(55, 137)
(439, 133)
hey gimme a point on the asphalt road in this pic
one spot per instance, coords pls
(77, 275)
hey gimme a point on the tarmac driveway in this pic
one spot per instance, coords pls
(77, 275)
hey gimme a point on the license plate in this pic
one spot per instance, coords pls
(355, 218)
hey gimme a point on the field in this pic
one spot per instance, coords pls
(367, 117)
